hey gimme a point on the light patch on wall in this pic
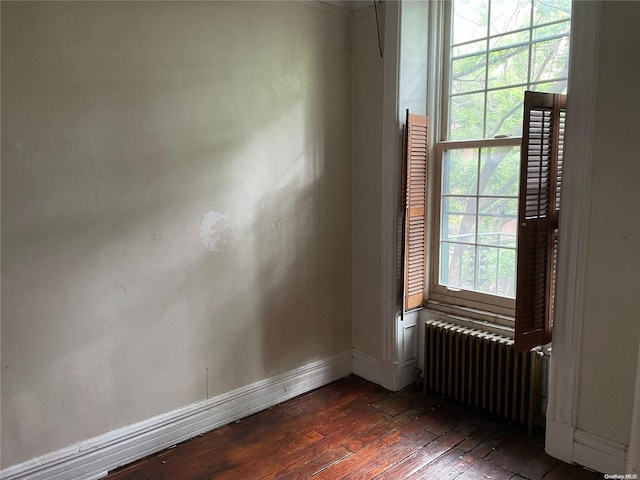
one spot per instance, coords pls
(213, 230)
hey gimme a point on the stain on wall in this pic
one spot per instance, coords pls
(215, 230)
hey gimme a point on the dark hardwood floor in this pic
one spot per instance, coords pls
(353, 429)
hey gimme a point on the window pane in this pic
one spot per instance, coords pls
(504, 112)
(509, 66)
(495, 271)
(507, 273)
(508, 40)
(466, 117)
(551, 87)
(557, 29)
(469, 20)
(469, 49)
(545, 11)
(457, 265)
(509, 15)
(498, 221)
(460, 172)
(550, 59)
(467, 74)
(500, 171)
(458, 219)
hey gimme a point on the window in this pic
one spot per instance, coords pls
(494, 51)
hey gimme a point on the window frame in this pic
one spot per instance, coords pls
(484, 306)
(441, 293)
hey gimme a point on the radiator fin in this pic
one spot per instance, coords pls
(483, 370)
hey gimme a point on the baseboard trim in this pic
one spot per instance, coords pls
(366, 366)
(572, 445)
(374, 370)
(599, 454)
(93, 458)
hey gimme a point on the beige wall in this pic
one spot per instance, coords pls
(176, 190)
(612, 317)
(367, 71)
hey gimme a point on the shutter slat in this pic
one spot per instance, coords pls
(540, 186)
(416, 159)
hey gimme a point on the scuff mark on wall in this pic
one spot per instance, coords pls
(213, 229)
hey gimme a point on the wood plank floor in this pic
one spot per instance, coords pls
(353, 429)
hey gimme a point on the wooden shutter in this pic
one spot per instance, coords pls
(539, 203)
(416, 155)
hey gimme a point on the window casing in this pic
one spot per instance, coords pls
(493, 51)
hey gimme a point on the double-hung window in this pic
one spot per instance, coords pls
(494, 50)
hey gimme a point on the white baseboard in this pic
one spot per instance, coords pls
(366, 366)
(374, 370)
(599, 454)
(389, 375)
(93, 458)
(572, 445)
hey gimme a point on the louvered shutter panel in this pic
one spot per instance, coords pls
(539, 203)
(415, 210)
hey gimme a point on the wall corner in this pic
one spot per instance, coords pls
(559, 440)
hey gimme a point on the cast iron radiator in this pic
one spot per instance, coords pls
(482, 369)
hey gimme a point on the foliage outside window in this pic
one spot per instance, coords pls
(497, 50)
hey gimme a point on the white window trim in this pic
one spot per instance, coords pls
(565, 362)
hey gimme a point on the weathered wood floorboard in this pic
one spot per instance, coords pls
(353, 429)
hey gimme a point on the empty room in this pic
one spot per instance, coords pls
(320, 239)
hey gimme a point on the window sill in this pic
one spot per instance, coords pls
(472, 318)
